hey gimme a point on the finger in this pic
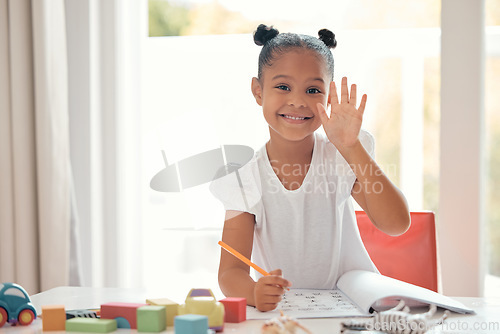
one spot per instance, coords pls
(265, 304)
(322, 113)
(272, 296)
(264, 307)
(344, 93)
(274, 280)
(274, 289)
(276, 272)
(352, 99)
(279, 274)
(334, 99)
(362, 105)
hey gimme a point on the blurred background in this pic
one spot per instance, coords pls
(99, 96)
(391, 49)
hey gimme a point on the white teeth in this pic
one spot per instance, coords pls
(291, 117)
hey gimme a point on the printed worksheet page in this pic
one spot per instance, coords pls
(304, 303)
(371, 290)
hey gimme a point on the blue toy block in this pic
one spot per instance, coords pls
(191, 324)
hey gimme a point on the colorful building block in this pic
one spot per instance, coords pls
(170, 306)
(151, 318)
(191, 324)
(53, 318)
(125, 314)
(91, 325)
(235, 309)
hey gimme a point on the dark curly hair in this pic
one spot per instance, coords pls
(274, 44)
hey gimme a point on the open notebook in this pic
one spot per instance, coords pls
(359, 293)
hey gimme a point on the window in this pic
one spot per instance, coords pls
(15, 292)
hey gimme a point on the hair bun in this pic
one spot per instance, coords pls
(328, 38)
(264, 33)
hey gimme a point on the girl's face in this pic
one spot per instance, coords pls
(288, 92)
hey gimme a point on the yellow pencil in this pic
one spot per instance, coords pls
(244, 259)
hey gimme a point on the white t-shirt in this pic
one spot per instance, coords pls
(309, 233)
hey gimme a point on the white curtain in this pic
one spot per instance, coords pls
(103, 41)
(36, 214)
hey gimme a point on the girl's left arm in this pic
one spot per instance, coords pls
(382, 201)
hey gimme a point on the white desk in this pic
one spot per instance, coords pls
(486, 320)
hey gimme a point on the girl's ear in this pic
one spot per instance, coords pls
(257, 90)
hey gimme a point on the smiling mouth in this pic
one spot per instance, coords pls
(294, 117)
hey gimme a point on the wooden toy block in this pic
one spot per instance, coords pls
(170, 306)
(151, 318)
(235, 309)
(91, 325)
(191, 324)
(125, 314)
(53, 318)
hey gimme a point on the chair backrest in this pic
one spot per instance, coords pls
(411, 257)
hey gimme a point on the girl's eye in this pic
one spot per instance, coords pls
(313, 91)
(283, 87)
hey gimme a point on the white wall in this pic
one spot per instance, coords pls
(461, 202)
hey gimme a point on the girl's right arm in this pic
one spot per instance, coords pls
(234, 275)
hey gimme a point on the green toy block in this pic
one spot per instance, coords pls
(151, 319)
(170, 306)
(91, 325)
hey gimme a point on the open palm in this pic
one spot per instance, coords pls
(344, 123)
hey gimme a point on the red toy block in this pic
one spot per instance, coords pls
(235, 309)
(125, 314)
(53, 318)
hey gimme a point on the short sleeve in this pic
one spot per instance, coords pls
(368, 142)
(342, 167)
(239, 190)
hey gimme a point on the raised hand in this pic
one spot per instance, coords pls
(344, 123)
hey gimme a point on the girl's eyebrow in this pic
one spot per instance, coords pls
(284, 76)
(280, 76)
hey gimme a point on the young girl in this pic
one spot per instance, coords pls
(289, 208)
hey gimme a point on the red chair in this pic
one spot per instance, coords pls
(411, 257)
